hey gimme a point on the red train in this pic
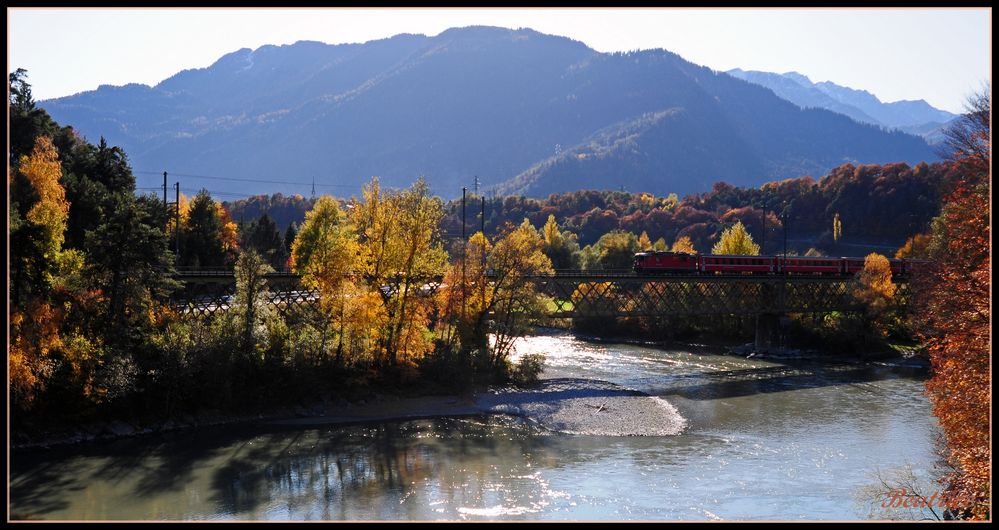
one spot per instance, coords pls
(659, 262)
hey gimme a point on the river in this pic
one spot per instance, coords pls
(764, 439)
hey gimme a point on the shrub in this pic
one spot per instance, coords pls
(528, 368)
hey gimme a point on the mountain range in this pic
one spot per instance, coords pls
(522, 111)
(915, 117)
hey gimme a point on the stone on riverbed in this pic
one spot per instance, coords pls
(591, 407)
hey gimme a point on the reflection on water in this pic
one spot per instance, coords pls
(766, 441)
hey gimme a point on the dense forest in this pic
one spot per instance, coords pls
(878, 207)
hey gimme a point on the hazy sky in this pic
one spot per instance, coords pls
(940, 55)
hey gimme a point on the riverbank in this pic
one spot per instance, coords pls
(565, 405)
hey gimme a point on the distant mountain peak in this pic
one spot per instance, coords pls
(859, 104)
(800, 78)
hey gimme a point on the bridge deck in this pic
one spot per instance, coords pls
(607, 293)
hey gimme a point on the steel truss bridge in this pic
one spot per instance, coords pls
(582, 294)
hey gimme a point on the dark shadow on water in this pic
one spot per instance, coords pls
(764, 380)
(311, 474)
(41, 491)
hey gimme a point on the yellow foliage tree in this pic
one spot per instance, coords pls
(684, 244)
(560, 246)
(514, 299)
(736, 241)
(644, 243)
(422, 258)
(401, 250)
(228, 234)
(494, 286)
(376, 220)
(670, 202)
(326, 254)
(876, 290)
(50, 212)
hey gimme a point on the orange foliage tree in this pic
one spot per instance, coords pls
(876, 290)
(953, 315)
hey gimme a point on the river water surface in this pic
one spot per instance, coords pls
(764, 439)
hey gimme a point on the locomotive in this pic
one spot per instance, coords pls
(663, 262)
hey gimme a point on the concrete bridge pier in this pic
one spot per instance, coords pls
(769, 331)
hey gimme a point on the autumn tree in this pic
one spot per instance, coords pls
(516, 257)
(560, 246)
(376, 218)
(876, 290)
(34, 335)
(644, 243)
(736, 241)
(36, 242)
(37, 237)
(916, 247)
(467, 298)
(417, 256)
(683, 244)
(670, 202)
(229, 234)
(326, 254)
(952, 311)
(508, 299)
(614, 250)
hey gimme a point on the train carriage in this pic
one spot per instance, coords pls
(659, 262)
(738, 264)
(811, 265)
(852, 265)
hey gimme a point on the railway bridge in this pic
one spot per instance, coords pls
(601, 294)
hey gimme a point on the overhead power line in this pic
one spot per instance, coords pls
(259, 181)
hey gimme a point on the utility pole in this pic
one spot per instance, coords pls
(482, 220)
(785, 217)
(176, 226)
(464, 284)
(313, 186)
(475, 185)
(166, 217)
(763, 240)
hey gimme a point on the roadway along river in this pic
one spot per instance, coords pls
(763, 440)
